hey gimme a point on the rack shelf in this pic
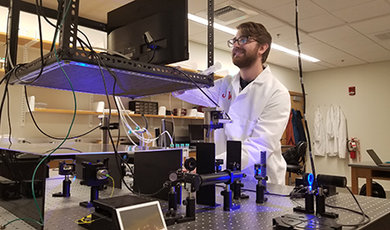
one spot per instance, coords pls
(87, 112)
(23, 40)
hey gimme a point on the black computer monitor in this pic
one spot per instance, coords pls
(152, 31)
(196, 133)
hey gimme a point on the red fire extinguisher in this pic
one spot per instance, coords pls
(354, 148)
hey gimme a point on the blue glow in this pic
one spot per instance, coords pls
(81, 64)
(310, 179)
(153, 47)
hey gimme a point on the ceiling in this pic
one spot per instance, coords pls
(337, 32)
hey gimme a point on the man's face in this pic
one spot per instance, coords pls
(245, 55)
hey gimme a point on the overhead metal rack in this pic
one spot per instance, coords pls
(100, 73)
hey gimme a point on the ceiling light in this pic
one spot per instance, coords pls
(234, 32)
(293, 52)
(216, 25)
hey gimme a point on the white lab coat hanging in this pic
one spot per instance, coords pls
(319, 138)
(336, 132)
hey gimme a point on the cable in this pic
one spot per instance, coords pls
(40, 41)
(23, 219)
(59, 15)
(112, 52)
(85, 220)
(9, 121)
(196, 84)
(113, 184)
(125, 116)
(109, 133)
(363, 222)
(7, 49)
(365, 218)
(39, 10)
(303, 92)
(69, 130)
(295, 225)
(252, 190)
(47, 156)
(6, 78)
(94, 55)
(43, 132)
(154, 52)
(65, 148)
(151, 194)
(40, 45)
(74, 114)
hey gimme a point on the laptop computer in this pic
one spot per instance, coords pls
(376, 158)
(141, 216)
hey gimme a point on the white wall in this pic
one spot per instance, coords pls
(367, 112)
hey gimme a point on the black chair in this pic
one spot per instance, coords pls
(295, 159)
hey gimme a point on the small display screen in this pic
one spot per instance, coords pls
(146, 216)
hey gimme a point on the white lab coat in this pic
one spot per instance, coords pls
(319, 138)
(259, 116)
(336, 132)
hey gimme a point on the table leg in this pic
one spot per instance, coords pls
(354, 181)
(368, 186)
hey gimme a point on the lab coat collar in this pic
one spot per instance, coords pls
(263, 76)
(260, 79)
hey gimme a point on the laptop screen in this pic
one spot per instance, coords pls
(141, 216)
(374, 157)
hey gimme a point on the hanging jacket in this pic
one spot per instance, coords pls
(336, 132)
(290, 131)
(342, 135)
(319, 138)
(299, 131)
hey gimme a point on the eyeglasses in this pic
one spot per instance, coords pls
(240, 41)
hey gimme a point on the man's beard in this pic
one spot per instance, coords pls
(246, 60)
